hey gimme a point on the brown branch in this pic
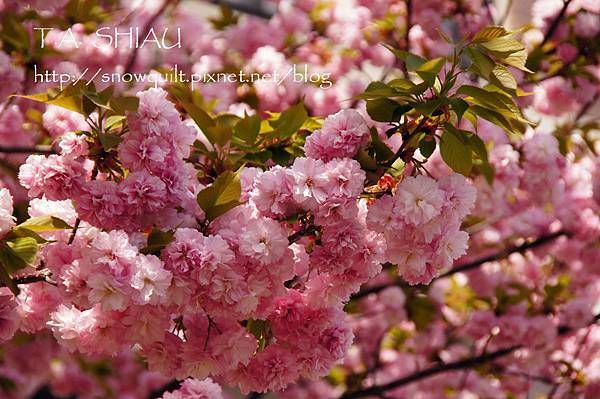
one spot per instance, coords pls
(168, 387)
(256, 8)
(471, 265)
(41, 276)
(146, 30)
(378, 390)
(587, 106)
(506, 12)
(74, 231)
(441, 368)
(505, 253)
(408, 23)
(39, 149)
(303, 232)
(555, 23)
(490, 15)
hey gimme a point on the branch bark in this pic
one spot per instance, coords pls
(505, 253)
(257, 8)
(555, 23)
(38, 149)
(378, 390)
(473, 264)
(131, 61)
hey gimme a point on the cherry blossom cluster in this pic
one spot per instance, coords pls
(152, 151)
(192, 308)
(421, 224)
(288, 286)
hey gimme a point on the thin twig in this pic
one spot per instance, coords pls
(586, 107)
(41, 276)
(506, 12)
(469, 265)
(377, 390)
(458, 365)
(146, 30)
(555, 23)
(37, 149)
(490, 15)
(74, 231)
(408, 23)
(257, 8)
(168, 387)
(303, 232)
(505, 253)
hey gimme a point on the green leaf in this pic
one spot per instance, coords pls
(25, 248)
(218, 134)
(411, 60)
(120, 105)
(44, 223)
(493, 100)
(223, 195)
(199, 116)
(11, 260)
(69, 99)
(502, 77)
(109, 140)
(386, 110)
(518, 60)
(492, 116)
(427, 146)
(428, 107)
(248, 128)
(459, 106)
(261, 329)
(478, 146)
(502, 47)
(488, 33)
(378, 149)
(482, 64)
(290, 121)
(455, 152)
(429, 70)
(381, 90)
(157, 240)
(403, 85)
(6, 279)
(421, 310)
(23, 232)
(102, 99)
(113, 121)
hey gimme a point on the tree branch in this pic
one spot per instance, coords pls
(555, 23)
(303, 232)
(458, 365)
(490, 15)
(408, 23)
(168, 387)
(257, 8)
(41, 276)
(131, 61)
(378, 390)
(473, 264)
(586, 107)
(505, 253)
(39, 149)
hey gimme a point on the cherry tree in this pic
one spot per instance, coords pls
(419, 216)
